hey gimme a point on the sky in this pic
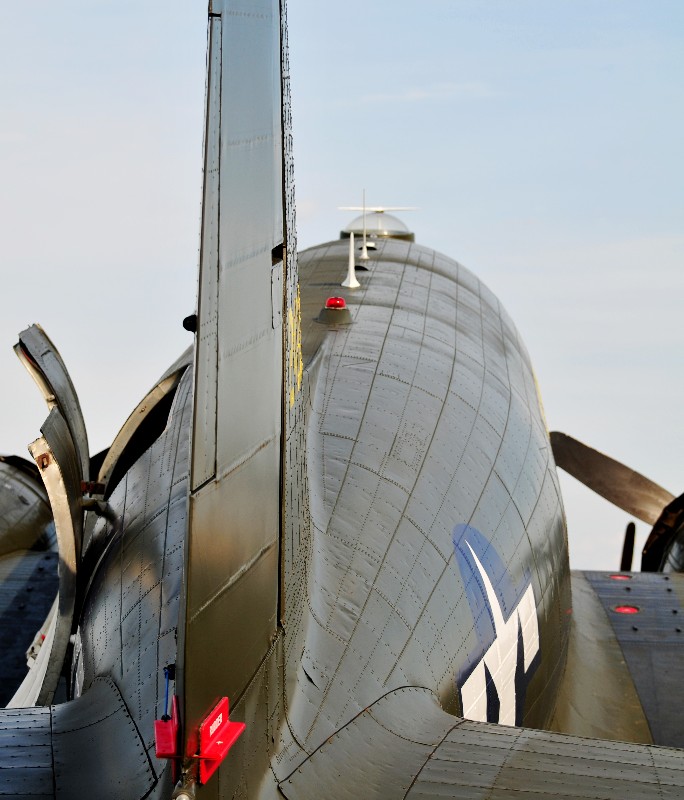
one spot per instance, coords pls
(540, 141)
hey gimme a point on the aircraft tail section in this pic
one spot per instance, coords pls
(246, 379)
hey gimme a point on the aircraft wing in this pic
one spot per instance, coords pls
(624, 669)
(404, 745)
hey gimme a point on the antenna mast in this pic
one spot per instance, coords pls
(364, 250)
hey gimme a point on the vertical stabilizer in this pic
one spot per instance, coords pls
(247, 376)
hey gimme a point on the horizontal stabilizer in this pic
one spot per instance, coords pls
(66, 751)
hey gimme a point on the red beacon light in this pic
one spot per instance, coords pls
(335, 302)
(617, 577)
(335, 312)
(626, 609)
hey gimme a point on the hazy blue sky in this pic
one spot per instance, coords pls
(540, 139)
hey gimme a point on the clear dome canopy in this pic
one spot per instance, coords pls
(379, 225)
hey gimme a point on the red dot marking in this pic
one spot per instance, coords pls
(626, 609)
(335, 302)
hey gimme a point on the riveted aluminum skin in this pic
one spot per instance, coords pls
(424, 415)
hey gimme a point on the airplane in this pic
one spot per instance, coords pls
(326, 555)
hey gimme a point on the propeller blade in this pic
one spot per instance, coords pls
(628, 548)
(615, 482)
